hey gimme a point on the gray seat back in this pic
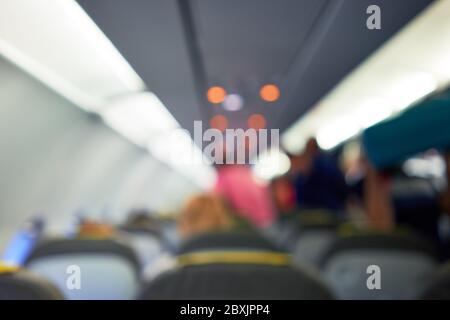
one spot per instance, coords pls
(22, 285)
(438, 288)
(404, 262)
(312, 244)
(106, 269)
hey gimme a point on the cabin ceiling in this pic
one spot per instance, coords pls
(180, 48)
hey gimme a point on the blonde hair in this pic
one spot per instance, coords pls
(204, 213)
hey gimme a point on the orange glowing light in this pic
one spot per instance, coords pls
(256, 121)
(216, 94)
(219, 122)
(269, 92)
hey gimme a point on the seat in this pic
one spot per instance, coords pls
(439, 286)
(145, 242)
(107, 269)
(19, 284)
(312, 243)
(244, 268)
(316, 230)
(228, 240)
(405, 262)
(236, 275)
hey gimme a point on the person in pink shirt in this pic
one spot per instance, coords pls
(249, 197)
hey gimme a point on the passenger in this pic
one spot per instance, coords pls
(24, 241)
(247, 196)
(385, 208)
(318, 181)
(203, 213)
(377, 190)
(283, 193)
(445, 196)
(142, 219)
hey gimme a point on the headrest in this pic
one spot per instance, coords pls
(56, 247)
(153, 232)
(267, 258)
(229, 240)
(381, 241)
(18, 284)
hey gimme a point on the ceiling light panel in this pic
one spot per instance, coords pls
(58, 43)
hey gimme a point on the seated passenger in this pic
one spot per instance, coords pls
(201, 214)
(204, 213)
(141, 219)
(248, 197)
(283, 193)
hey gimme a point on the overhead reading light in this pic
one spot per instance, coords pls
(256, 121)
(216, 94)
(406, 69)
(269, 93)
(59, 44)
(233, 102)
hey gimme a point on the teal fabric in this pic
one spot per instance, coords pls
(422, 127)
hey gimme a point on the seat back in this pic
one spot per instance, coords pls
(146, 244)
(228, 240)
(18, 284)
(234, 266)
(311, 244)
(87, 268)
(236, 275)
(438, 287)
(404, 262)
(311, 235)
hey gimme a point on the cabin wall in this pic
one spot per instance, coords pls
(56, 160)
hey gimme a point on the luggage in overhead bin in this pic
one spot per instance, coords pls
(417, 129)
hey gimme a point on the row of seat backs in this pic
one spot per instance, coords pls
(109, 268)
(235, 265)
(343, 253)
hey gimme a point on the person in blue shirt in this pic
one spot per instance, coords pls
(318, 181)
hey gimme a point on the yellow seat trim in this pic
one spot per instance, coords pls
(8, 268)
(234, 257)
